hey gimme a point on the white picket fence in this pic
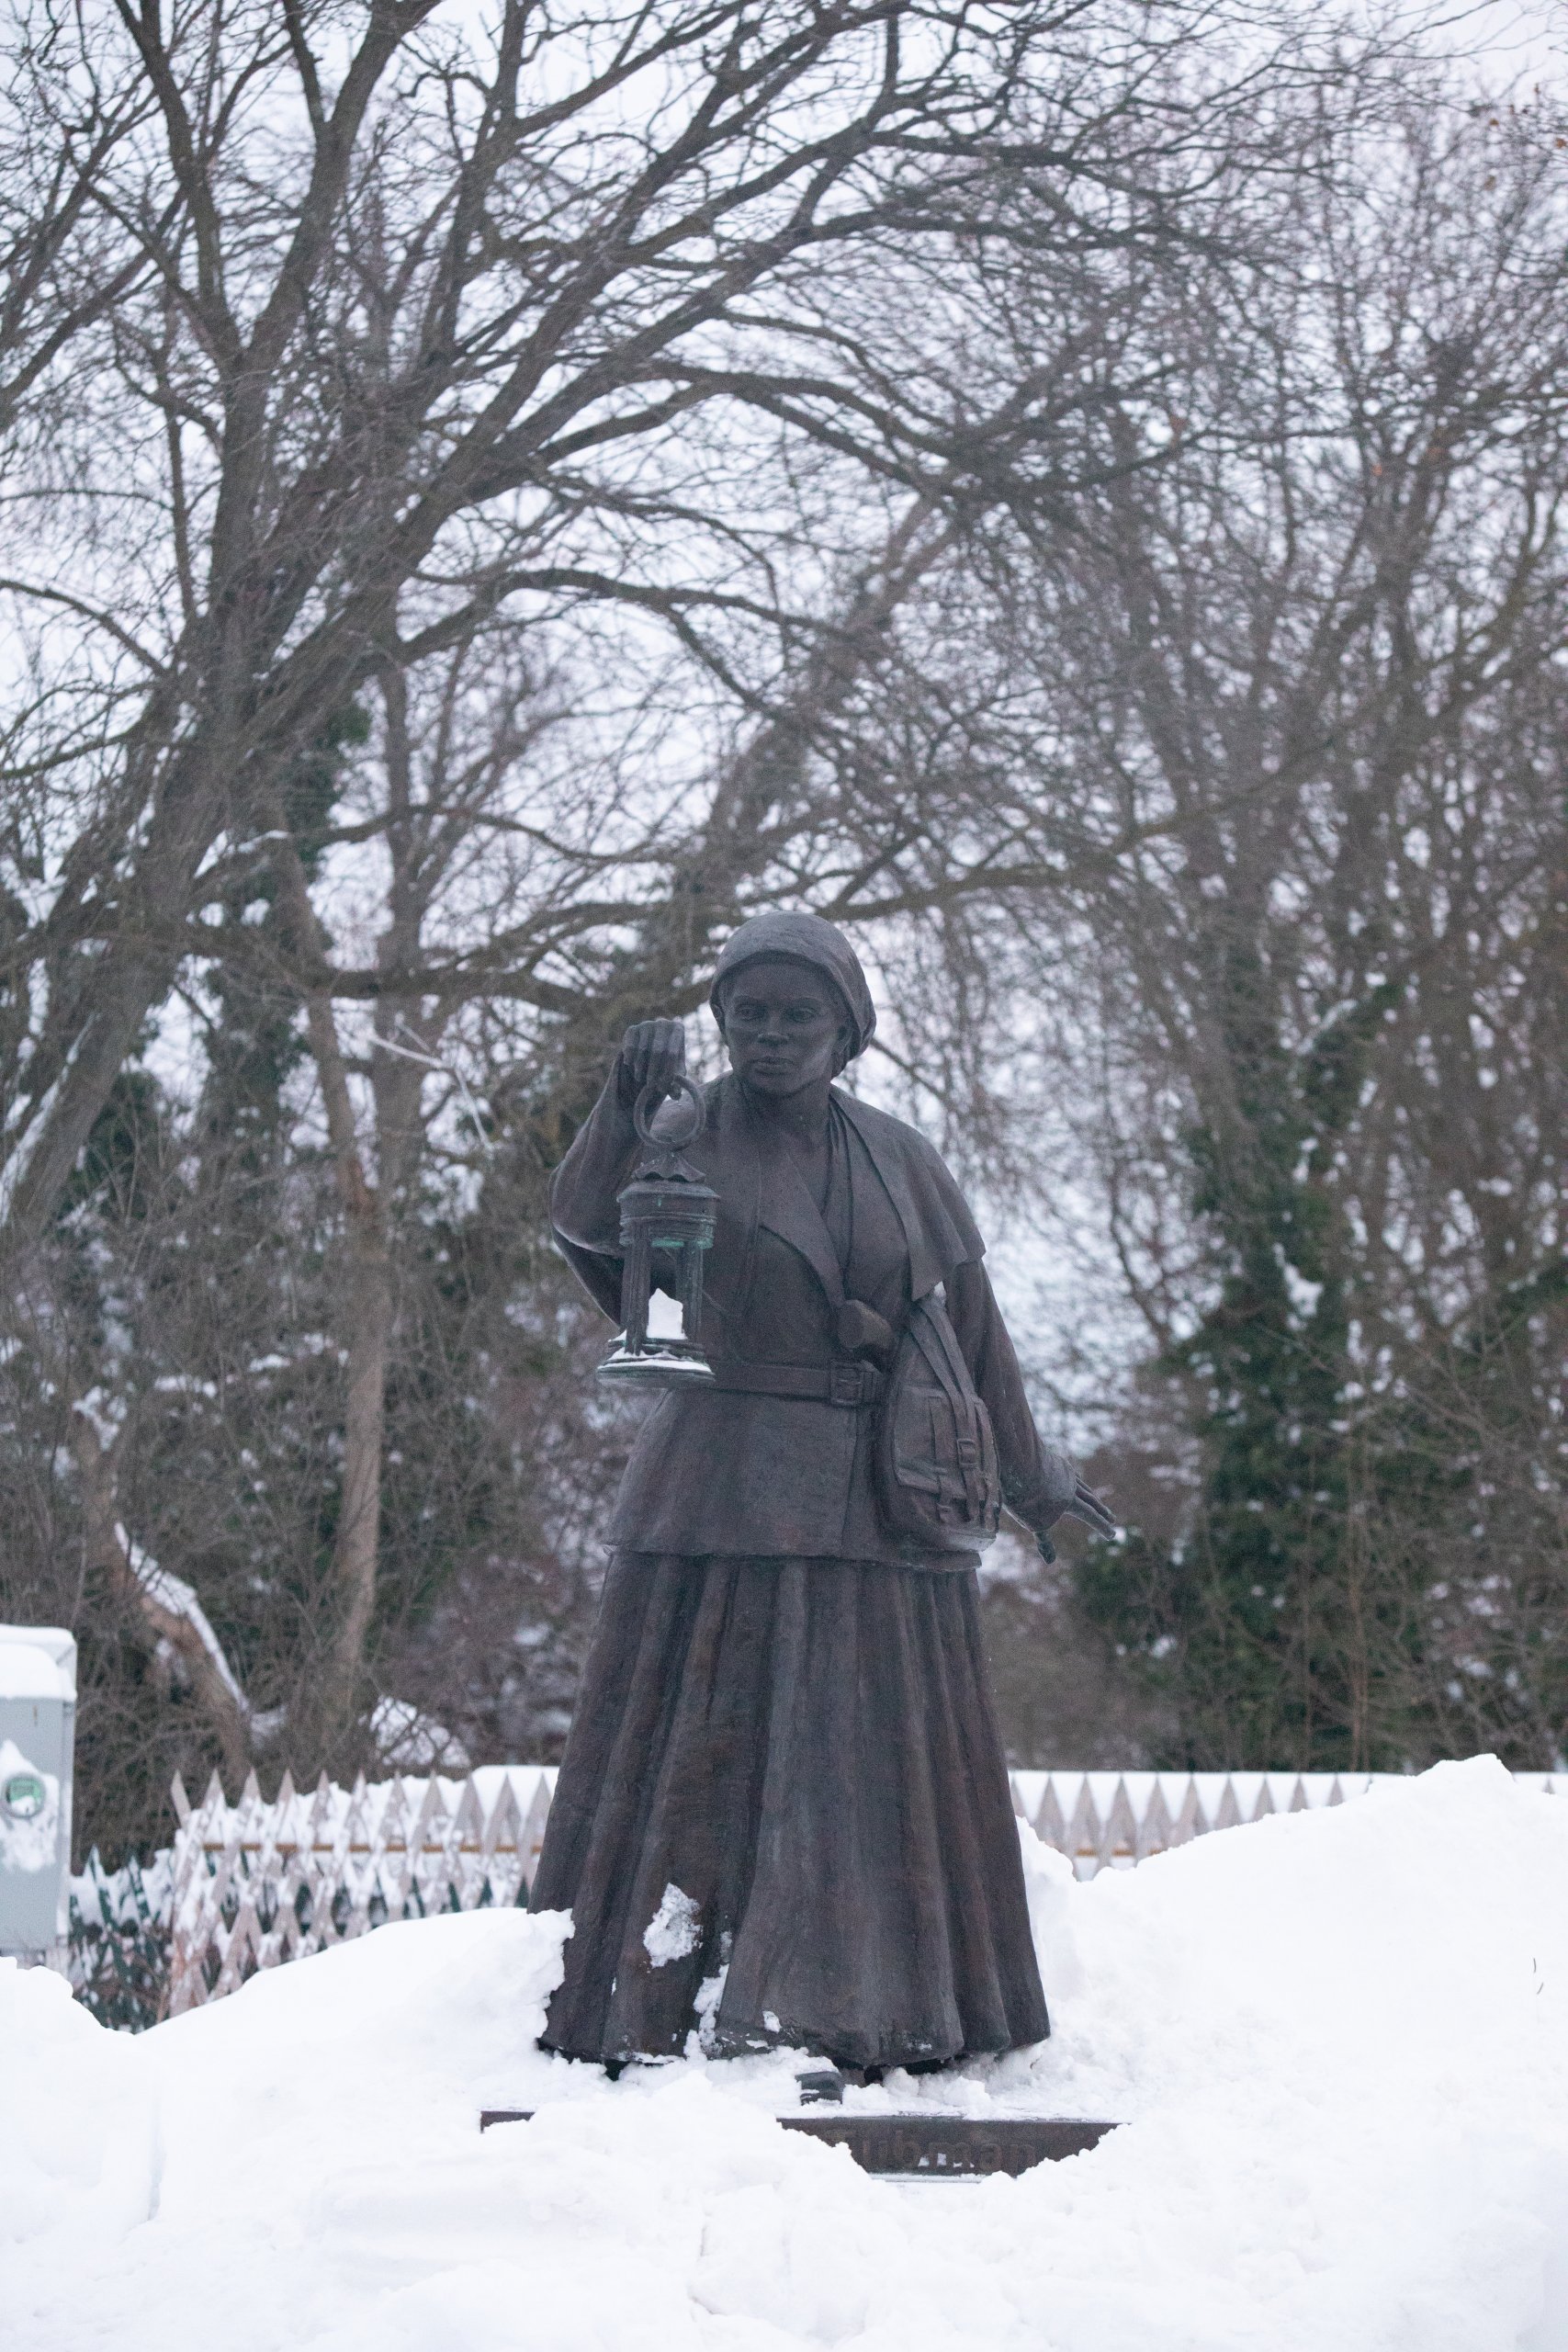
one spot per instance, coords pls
(259, 1882)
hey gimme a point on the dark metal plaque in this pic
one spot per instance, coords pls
(925, 2147)
(960, 2148)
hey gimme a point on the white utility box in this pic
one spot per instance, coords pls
(37, 1740)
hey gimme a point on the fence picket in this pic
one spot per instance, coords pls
(1154, 1831)
(1049, 1824)
(1119, 1840)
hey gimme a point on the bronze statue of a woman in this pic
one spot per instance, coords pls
(784, 1770)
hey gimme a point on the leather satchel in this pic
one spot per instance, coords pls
(936, 1475)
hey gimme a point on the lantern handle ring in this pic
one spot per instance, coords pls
(647, 1105)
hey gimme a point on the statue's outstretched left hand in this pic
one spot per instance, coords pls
(1087, 1508)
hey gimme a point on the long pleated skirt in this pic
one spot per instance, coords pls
(784, 1812)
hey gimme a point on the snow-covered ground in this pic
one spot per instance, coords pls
(1339, 2042)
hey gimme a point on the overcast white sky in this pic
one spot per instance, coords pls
(1515, 37)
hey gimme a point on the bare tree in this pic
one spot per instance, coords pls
(1310, 675)
(400, 324)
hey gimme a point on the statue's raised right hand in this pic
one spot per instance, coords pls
(653, 1052)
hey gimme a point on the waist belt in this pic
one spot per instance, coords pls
(825, 1384)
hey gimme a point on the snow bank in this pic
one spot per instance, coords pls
(78, 2136)
(1339, 2042)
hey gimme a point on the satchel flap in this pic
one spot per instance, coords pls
(936, 1456)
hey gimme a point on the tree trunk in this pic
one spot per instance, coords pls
(364, 1331)
(170, 1619)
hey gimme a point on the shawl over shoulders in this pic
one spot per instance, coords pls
(941, 1233)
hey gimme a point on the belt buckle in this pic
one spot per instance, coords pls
(846, 1384)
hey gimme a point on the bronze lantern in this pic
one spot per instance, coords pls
(668, 1207)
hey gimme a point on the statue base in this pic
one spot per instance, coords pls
(925, 2147)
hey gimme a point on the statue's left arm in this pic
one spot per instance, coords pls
(1039, 1486)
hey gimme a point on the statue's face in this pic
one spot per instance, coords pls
(784, 1025)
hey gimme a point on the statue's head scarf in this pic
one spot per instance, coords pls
(804, 939)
